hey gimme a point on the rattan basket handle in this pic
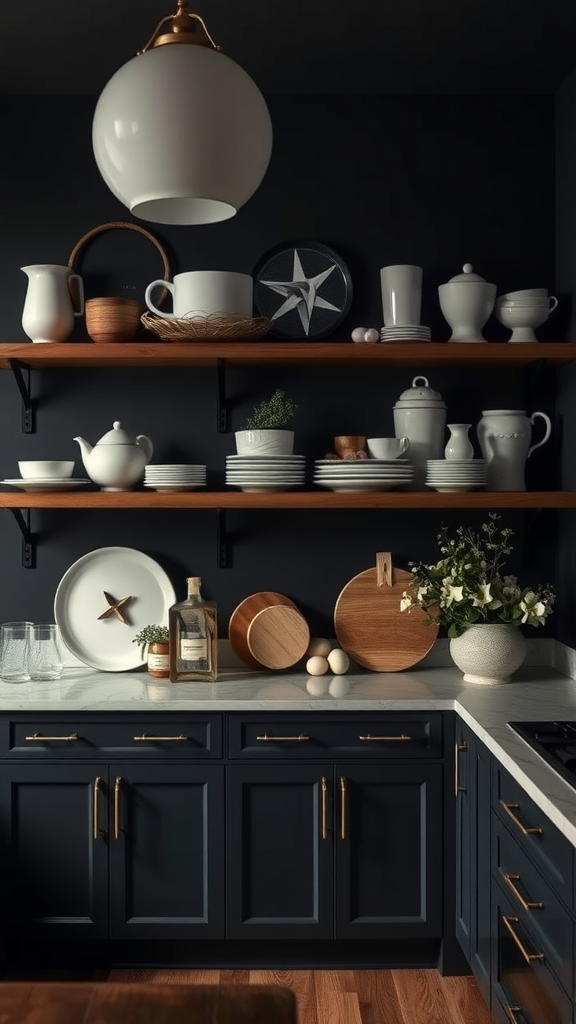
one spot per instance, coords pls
(111, 225)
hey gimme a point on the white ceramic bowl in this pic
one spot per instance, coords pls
(538, 303)
(45, 469)
(522, 316)
(526, 293)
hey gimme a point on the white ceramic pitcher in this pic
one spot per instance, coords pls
(505, 438)
(49, 311)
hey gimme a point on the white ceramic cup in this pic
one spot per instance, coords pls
(523, 294)
(202, 292)
(401, 286)
(387, 447)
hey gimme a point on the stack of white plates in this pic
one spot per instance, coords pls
(176, 477)
(455, 475)
(260, 473)
(362, 475)
(405, 332)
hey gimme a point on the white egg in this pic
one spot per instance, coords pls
(316, 666)
(338, 661)
(358, 334)
(338, 686)
(319, 645)
(371, 334)
(317, 686)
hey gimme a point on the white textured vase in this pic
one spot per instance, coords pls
(489, 653)
(459, 446)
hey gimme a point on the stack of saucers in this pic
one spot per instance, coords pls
(176, 477)
(455, 474)
(261, 473)
(362, 475)
(405, 332)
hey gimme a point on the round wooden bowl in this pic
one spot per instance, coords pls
(267, 631)
(112, 319)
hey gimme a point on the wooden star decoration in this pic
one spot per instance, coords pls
(116, 608)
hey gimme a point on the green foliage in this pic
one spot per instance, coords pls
(151, 635)
(467, 586)
(274, 413)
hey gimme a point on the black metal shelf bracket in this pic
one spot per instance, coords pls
(222, 407)
(28, 540)
(222, 545)
(23, 384)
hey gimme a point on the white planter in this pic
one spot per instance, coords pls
(264, 442)
(489, 653)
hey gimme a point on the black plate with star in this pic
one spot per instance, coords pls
(305, 288)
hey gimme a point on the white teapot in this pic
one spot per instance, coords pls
(118, 460)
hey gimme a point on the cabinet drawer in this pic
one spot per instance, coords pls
(542, 915)
(392, 736)
(134, 737)
(542, 842)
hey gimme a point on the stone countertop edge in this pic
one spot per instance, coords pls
(535, 693)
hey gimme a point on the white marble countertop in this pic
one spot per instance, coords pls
(536, 693)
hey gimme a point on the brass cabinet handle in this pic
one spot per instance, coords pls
(372, 739)
(117, 786)
(529, 957)
(97, 782)
(324, 794)
(282, 739)
(525, 904)
(458, 747)
(39, 738)
(155, 739)
(511, 1012)
(343, 793)
(525, 830)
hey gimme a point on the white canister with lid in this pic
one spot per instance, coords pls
(420, 415)
(467, 301)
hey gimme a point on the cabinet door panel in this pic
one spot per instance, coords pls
(166, 846)
(388, 851)
(279, 868)
(57, 869)
(464, 798)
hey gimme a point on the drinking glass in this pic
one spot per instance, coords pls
(14, 651)
(44, 656)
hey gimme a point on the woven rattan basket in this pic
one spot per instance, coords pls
(212, 325)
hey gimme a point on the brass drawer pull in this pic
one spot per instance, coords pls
(155, 739)
(282, 739)
(97, 782)
(511, 1012)
(458, 747)
(525, 904)
(529, 957)
(39, 738)
(371, 739)
(343, 794)
(117, 785)
(525, 830)
(324, 792)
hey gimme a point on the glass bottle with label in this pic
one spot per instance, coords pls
(193, 637)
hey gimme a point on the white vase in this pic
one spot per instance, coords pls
(489, 653)
(264, 442)
(459, 444)
(505, 438)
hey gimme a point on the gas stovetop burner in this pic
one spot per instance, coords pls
(555, 742)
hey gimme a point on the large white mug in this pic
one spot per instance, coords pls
(202, 292)
(401, 286)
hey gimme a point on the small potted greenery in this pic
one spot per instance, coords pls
(266, 430)
(154, 642)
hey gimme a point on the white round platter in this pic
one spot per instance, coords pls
(57, 484)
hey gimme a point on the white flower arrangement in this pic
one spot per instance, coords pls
(466, 585)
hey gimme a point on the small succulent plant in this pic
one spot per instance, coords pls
(274, 413)
(151, 635)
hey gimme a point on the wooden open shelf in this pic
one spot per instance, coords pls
(266, 353)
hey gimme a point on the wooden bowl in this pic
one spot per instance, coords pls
(267, 631)
(112, 320)
(348, 445)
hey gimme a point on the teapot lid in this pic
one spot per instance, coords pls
(467, 275)
(117, 435)
(421, 394)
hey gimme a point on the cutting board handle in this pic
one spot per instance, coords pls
(384, 569)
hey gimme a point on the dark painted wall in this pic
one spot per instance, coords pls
(436, 181)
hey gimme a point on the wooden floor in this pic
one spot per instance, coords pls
(350, 997)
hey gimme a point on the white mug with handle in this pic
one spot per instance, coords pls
(203, 292)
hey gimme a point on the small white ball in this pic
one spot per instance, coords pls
(338, 661)
(316, 666)
(319, 645)
(371, 334)
(358, 334)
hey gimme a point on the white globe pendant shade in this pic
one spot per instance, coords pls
(182, 135)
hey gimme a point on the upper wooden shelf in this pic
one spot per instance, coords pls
(240, 353)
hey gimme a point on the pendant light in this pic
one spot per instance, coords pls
(181, 134)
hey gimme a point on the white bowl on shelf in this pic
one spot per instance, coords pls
(45, 469)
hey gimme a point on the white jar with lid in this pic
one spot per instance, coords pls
(420, 415)
(467, 301)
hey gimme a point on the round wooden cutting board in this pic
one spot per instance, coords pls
(370, 626)
(266, 630)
